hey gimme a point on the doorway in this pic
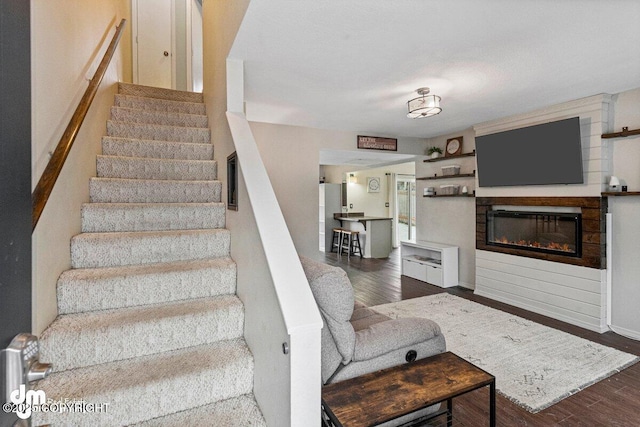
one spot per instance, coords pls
(405, 218)
(167, 44)
(153, 43)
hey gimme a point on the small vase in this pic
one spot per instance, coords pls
(435, 155)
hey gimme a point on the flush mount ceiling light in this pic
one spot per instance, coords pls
(424, 105)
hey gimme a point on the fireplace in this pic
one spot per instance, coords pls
(546, 232)
(582, 230)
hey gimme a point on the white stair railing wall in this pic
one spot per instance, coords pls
(281, 312)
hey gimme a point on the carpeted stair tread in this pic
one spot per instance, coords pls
(87, 339)
(132, 115)
(158, 132)
(147, 247)
(130, 147)
(119, 190)
(241, 411)
(88, 289)
(160, 169)
(160, 105)
(151, 386)
(161, 93)
(108, 217)
(149, 323)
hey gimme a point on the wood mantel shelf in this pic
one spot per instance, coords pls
(620, 193)
(625, 132)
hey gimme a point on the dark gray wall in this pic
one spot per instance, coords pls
(15, 170)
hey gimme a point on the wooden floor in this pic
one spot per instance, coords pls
(614, 401)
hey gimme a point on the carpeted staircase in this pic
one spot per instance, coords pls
(149, 322)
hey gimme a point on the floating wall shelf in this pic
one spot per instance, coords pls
(620, 193)
(453, 195)
(625, 132)
(440, 159)
(461, 175)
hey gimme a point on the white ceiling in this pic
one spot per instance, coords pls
(365, 159)
(352, 65)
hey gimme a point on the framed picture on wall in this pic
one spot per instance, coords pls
(373, 184)
(454, 146)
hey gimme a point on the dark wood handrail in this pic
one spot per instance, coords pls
(50, 175)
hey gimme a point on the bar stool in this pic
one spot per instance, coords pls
(352, 239)
(336, 240)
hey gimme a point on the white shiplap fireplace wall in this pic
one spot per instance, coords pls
(570, 293)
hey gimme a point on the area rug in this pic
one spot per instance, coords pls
(535, 366)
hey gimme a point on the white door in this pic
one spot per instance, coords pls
(153, 43)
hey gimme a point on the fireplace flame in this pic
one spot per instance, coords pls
(555, 246)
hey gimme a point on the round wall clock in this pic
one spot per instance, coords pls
(373, 185)
(454, 146)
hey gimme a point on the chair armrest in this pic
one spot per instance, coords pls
(384, 337)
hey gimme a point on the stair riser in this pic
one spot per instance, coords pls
(156, 149)
(148, 323)
(136, 168)
(128, 115)
(146, 389)
(158, 132)
(154, 92)
(90, 250)
(89, 290)
(239, 411)
(108, 217)
(88, 339)
(139, 191)
(159, 105)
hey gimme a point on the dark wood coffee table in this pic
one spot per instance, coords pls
(385, 395)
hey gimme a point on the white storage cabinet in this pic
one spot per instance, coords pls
(430, 262)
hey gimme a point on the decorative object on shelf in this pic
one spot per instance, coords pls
(434, 152)
(450, 170)
(454, 146)
(353, 179)
(449, 190)
(373, 185)
(377, 143)
(465, 190)
(429, 191)
(624, 188)
(424, 105)
(614, 184)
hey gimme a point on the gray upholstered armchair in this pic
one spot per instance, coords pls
(356, 339)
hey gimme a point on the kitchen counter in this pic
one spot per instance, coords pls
(361, 219)
(375, 233)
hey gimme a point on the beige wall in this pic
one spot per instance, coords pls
(291, 155)
(449, 220)
(68, 39)
(625, 212)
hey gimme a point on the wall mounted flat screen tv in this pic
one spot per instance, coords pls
(549, 153)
